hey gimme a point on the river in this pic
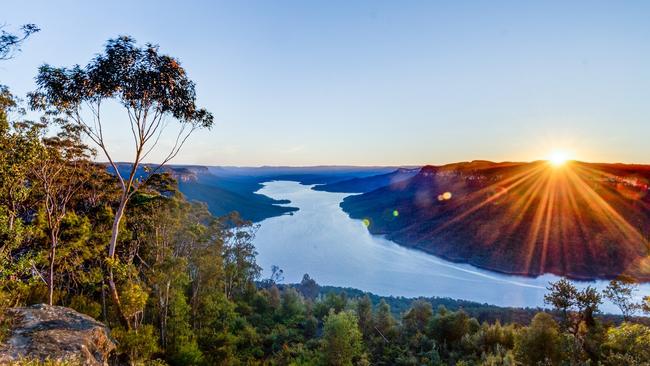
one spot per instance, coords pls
(321, 240)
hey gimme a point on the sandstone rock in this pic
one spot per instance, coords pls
(56, 333)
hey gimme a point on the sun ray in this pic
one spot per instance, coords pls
(547, 226)
(537, 224)
(564, 209)
(617, 221)
(515, 181)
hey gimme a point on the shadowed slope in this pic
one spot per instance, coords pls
(579, 220)
(367, 184)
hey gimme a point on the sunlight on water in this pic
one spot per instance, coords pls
(320, 239)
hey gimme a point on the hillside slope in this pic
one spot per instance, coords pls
(222, 194)
(367, 184)
(581, 220)
(221, 201)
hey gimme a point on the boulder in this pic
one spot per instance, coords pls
(56, 333)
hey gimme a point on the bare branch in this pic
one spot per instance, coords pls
(180, 141)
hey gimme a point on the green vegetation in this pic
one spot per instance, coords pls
(179, 286)
(151, 87)
(251, 206)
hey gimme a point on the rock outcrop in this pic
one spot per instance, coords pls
(56, 333)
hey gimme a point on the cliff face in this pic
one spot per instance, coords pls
(187, 173)
(56, 333)
(581, 220)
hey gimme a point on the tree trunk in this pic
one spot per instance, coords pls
(115, 230)
(104, 312)
(164, 316)
(116, 300)
(11, 222)
(111, 254)
(50, 280)
(12, 216)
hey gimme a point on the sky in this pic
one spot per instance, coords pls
(375, 82)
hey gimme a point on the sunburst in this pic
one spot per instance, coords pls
(558, 158)
(560, 203)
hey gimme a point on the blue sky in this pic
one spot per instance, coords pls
(378, 82)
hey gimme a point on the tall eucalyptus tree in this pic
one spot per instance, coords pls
(151, 87)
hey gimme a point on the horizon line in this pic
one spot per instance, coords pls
(375, 165)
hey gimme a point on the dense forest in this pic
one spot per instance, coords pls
(178, 286)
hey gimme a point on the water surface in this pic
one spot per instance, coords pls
(321, 240)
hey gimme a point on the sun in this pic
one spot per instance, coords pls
(558, 158)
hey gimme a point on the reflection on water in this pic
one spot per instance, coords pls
(320, 239)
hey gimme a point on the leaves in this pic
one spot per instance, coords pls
(142, 79)
(10, 42)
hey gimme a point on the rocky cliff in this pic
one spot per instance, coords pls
(55, 333)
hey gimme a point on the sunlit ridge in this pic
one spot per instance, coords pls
(551, 199)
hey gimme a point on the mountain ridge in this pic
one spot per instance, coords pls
(366, 184)
(579, 220)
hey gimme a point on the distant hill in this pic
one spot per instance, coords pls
(227, 189)
(581, 220)
(183, 173)
(367, 184)
(222, 194)
(221, 201)
(305, 175)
